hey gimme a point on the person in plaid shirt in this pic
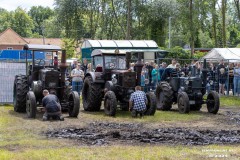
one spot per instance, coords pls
(137, 102)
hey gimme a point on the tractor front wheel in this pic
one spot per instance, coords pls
(183, 102)
(74, 104)
(213, 102)
(110, 103)
(151, 105)
(31, 106)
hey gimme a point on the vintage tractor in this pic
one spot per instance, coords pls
(44, 74)
(187, 92)
(113, 83)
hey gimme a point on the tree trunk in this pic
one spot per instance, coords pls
(129, 20)
(192, 27)
(115, 14)
(238, 8)
(224, 4)
(214, 19)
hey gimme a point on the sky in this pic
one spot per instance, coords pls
(11, 5)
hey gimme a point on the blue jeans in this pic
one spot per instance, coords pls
(236, 84)
(77, 86)
(154, 84)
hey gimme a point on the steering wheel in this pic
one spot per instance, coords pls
(41, 60)
(111, 65)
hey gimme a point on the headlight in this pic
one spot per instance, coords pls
(114, 81)
(113, 76)
(211, 82)
(187, 82)
(146, 81)
(67, 83)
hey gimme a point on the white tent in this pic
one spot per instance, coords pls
(229, 54)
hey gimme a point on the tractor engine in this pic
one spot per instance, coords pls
(48, 79)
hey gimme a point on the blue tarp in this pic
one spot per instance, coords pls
(20, 54)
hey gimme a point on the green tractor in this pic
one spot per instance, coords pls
(187, 92)
(44, 74)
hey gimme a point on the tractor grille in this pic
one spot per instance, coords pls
(52, 79)
(128, 79)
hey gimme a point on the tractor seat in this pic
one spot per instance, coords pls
(99, 69)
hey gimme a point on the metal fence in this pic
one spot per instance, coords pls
(8, 70)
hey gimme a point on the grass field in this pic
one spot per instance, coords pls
(22, 138)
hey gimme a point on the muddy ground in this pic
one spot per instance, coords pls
(223, 128)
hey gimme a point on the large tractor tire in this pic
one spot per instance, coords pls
(31, 105)
(151, 106)
(183, 102)
(20, 90)
(74, 104)
(213, 102)
(110, 103)
(91, 95)
(164, 96)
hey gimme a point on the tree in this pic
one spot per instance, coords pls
(39, 14)
(5, 19)
(69, 46)
(22, 23)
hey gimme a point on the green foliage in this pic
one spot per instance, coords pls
(198, 54)
(69, 46)
(178, 52)
(39, 14)
(22, 23)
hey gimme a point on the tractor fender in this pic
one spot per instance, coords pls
(96, 77)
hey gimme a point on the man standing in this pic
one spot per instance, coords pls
(77, 79)
(137, 102)
(84, 66)
(52, 106)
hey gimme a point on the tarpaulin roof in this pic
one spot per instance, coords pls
(122, 51)
(231, 54)
(119, 44)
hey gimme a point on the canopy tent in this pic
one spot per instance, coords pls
(229, 54)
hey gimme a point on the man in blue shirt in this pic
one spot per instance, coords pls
(137, 102)
(52, 106)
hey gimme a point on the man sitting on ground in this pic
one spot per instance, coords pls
(52, 106)
(137, 102)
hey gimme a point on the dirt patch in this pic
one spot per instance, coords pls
(109, 133)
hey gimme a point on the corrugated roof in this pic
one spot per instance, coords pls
(121, 51)
(119, 44)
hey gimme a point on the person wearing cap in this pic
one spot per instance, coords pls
(77, 79)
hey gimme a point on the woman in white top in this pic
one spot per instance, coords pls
(77, 79)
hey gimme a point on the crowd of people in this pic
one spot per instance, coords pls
(221, 77)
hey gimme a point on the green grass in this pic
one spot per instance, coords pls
(160, 116)
(230, 101)
(21, 138)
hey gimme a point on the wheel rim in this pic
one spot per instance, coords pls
(28, 105)
(161, 99)
(181, 104)
(71, 103)
(107, 106)
(211, 102)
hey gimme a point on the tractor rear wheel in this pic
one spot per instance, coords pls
(151, 106)
(183, 102)
(91, 95)
(110, 103)
(74, 104)
(20, 90)
(164, 96)
(31, 106)
(213, 102)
